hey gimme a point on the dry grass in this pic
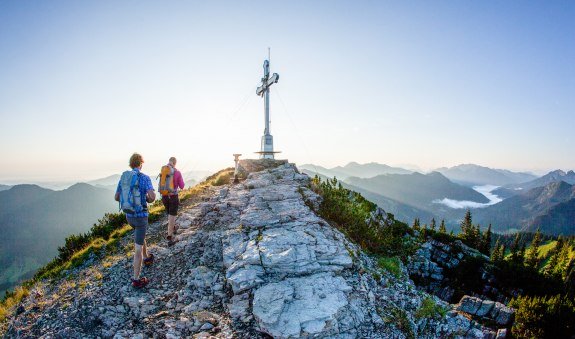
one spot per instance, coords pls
(12, 300)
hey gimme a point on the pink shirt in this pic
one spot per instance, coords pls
(178, 179)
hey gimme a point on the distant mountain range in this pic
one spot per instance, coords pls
(401, 211)
(549, 208)
(353, 169)
(528, 202)
(111, 182)
(418, 190)
(4, 187)
(472, 175)
(34, 221)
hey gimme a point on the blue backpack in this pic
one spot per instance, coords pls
(130, 195)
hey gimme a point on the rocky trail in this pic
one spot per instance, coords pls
(252, 260)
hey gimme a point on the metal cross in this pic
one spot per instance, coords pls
(267, 150)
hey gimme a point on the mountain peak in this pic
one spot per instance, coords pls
(557, 173)
(352, 164)
(250, 258)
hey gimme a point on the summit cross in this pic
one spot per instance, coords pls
(267, 149)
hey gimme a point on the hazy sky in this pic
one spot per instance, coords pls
(83, 84)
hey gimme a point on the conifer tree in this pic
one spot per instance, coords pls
(486, 241)
(442, 228)
(532, 257)
(432, 225)
(553, 262)
(521, 255)
(496, 254)
(475, 238)
(570, 279)
(416, 224)
(515, 249)
(466, 225)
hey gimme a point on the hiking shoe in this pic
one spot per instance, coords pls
(149, 260)
(171, 240)
(139, 283)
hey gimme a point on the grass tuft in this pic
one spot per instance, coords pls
(429, 309)
(392, 265)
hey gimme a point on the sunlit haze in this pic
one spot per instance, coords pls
(83, 84)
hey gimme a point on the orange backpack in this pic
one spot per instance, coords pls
(166, 185)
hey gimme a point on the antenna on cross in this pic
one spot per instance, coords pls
(267, 146)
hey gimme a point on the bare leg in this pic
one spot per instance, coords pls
(145, 249)
(137, 261)
(171, 224)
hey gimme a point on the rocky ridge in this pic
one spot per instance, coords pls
(251, 260)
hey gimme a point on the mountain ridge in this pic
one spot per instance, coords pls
(521, 211)
(252, 260)
(471, 174)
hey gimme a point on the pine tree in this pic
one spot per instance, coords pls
(476, 236)
(486, 241)
(552, 264)
(496, 254)
(521, 255)
(432, 225)
(570, 279)
(515, 249)
(416, 224)
(442, 228)
(466, 225)
(532, 257)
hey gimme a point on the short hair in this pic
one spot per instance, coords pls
(173, 160)
(136, 160)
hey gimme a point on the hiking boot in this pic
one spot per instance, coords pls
(139, 283)
(149, 260)
(171, 240)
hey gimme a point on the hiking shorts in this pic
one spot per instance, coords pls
(139, 224)
(171, 203)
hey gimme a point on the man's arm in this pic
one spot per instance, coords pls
(179, 180)
(150, 195)
(117, 195)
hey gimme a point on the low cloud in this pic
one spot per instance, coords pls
(460, 204)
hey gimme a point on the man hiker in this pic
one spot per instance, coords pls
(134, 191)
(170, 181)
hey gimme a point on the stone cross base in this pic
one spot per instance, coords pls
(247, 166)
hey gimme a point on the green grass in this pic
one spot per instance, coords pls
(429, 309)
(392, 265)
(544, 249)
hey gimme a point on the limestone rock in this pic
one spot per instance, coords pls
(252, 259)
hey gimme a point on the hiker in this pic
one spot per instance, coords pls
(134, 191)
(170, 181)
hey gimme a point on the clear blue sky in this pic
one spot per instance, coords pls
(83, 84)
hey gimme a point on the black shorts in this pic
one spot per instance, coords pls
(171, 203)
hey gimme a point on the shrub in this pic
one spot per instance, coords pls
(466, 277)
(543, 317)
(399, 317)
(351, 213)
(107, 225)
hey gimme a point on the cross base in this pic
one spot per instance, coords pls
(267, 154)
